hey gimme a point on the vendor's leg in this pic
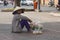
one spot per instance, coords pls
(26, 24)
(22, 24)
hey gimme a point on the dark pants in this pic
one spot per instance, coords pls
(25, 23)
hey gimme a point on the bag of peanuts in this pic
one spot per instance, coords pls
(36, 28)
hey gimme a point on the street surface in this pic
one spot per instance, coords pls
(51, 27)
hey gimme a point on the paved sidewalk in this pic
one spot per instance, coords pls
(51, 27)
(55, 14)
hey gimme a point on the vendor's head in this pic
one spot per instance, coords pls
(18, 10)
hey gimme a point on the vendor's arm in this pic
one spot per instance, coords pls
(26, 18)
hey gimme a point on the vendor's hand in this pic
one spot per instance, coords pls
(32, 23)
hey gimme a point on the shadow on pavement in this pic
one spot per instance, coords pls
(5, 33)
(5, 28)
(55, 26)
(49, 25)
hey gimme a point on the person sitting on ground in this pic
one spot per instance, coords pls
(21, 20)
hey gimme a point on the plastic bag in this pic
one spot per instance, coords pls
(36, 27)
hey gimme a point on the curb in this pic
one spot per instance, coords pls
(12, 10)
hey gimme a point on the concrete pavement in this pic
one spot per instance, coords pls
(51, 25)
(55, 13)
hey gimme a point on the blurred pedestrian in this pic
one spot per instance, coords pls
(5, 3)
(35, 5)
(12, 2)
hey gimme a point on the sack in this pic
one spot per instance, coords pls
(37, 28)
(37, 32)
